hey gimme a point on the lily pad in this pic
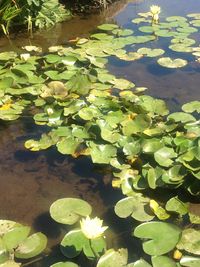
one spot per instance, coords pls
(164, 155)
(189, 261)
(136, 207)
(107, 27)
(190, 241)
(163, 237)
(164, 261)
(172, 63)
(64, 264)
(151, 52)
(111, 257)
(31, 247)
(69, 210)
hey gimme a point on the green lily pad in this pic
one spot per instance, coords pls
(190, 241)
(163, 237)
(31, 247)
(74, 242)
(136, 207)
(139, 263)
(181, 48)
(15, 236)
(5, 56)
(151, 52)
(189, 261)
(172, 63)
(176, 205)
(107, 27)
(164, 261)
(111, 257)
(176, 18)
(69, 210)
(10, 263)
(64, 264)
(164, 155)
(181, 117)
(191, 107)
(102, 153)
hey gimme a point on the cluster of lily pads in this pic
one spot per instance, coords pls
(89, 111)
(16, 244)
(161, 239)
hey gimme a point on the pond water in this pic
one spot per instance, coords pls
(31, 181)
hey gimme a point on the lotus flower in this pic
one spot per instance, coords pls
(92, 228)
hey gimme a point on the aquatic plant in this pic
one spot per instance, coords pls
(15, 243)
(89, 111)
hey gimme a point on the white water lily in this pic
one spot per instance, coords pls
(50, 111)
(92, 228)
(155, 11)
(25, 56)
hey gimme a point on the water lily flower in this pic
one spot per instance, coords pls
(92, 228)
(155, 11)
(50, 111)
(25, 56)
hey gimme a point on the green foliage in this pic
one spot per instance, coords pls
(69, 210)
(34, 13)
(15, 242)
(89, 111)
(163, 237)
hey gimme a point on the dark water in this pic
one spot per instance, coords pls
(31, 181)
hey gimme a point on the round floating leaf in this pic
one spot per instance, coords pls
(181, 117)
(68, 145)
(135, 207)
(5, 56)
(187, 29)
(190, 261)
(122, 32)
(181, 48)
(190, 241)
(64, 264)
(73, 243)
(150, 52)
(51, 58)
(7, 225)
(184, 41)
(192, 107)
(112, 257)
(163, 237)
(147, 29)
(102, 153)
(194, 15)
(69, 210)
(176, 18)
(107, 27)
(10, 263)
(164, 155)
(139, 263)
(172, 63)
(31, 247)
(176, 205)
(164, 261)
(15, 236)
